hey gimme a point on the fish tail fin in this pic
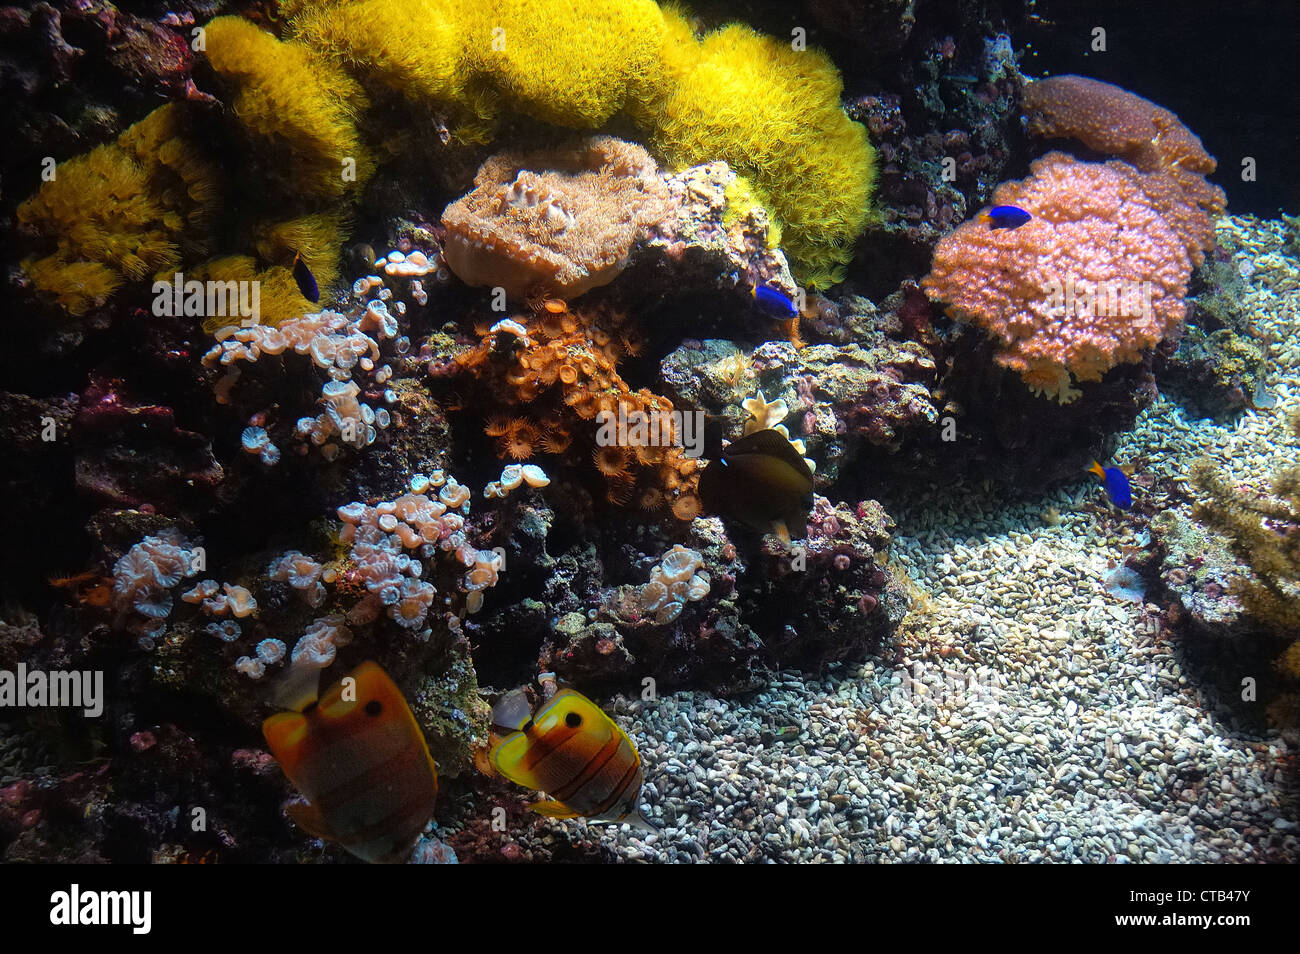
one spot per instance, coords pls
(782, 531)
(640, 823)
(1097, 469)
(553, 809)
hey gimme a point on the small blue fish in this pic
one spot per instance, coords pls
(1117, 487)
(775, 303)
(1005, 217)
(305, 279)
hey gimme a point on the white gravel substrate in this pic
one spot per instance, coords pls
(1029, 715)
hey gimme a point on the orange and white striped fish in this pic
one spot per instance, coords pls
(359, 757)
(573, 752)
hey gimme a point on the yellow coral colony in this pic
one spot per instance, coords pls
(774, 115)
(122, 212)
(297, 111)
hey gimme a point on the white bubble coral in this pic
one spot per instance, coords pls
(240, 601)
(271, 651)
(250, 667)
(227, 630)
(144, 575)
(319, 644)
(302, 573)
(677, 580)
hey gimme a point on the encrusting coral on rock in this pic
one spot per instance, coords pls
(561, 364)
(560, 231)
(1263, 532)
(1095, 278)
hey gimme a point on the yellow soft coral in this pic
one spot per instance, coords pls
(278, 295)
(120, 213)
(296, 108)
(568, 62)
(430, 64)
(774, 115)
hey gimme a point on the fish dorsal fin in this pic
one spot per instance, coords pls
(513, 710)
(296, 688)
(772, 443)
(310, 820)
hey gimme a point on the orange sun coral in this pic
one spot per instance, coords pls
(568, 377)
(611, 461)
(520, 442)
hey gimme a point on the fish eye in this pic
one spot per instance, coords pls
(573, 720)
(374, 707)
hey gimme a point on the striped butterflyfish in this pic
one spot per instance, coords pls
(573, 752)
(358, 756)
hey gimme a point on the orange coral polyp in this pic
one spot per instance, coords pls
(686, 507)
(521, 443)
(610, 461)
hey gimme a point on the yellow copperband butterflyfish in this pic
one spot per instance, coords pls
(359, 757)
(573, 752)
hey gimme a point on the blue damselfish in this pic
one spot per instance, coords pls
(1117, 486)
(774, 302)
(1006, 217)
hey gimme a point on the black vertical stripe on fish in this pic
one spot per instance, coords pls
(620, 790)
(583, 776)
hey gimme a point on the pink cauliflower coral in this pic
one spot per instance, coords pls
(1094, 278)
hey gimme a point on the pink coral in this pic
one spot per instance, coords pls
(1094, 278)
(1108, 119)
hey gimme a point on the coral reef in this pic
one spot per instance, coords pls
(830, 599)
(717, 234)
(774, 116)
(561, 231)
(839, 398)
(561, 364)
(1095, 278)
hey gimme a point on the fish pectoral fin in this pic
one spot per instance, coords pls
(309, 819)
(553, 809)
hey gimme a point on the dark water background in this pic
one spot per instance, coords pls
(1231, 71)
